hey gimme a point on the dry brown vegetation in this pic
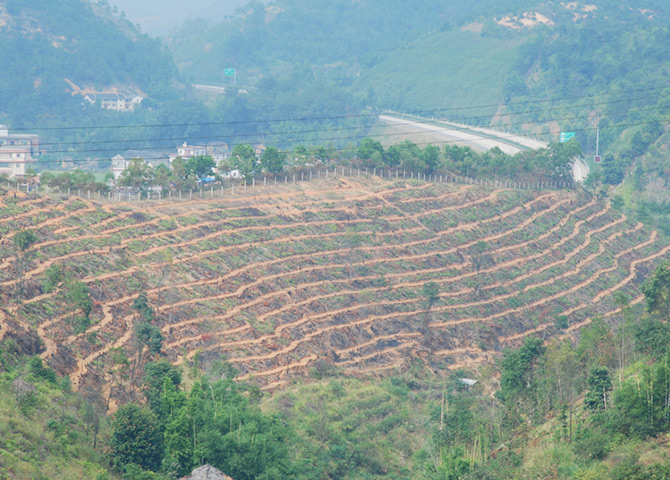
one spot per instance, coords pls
(284, 280)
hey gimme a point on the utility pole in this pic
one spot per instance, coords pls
(597, 157)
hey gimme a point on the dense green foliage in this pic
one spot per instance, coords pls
(74, 40)
(551, 164)
(46, 430)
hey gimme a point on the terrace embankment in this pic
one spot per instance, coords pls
(283, 281)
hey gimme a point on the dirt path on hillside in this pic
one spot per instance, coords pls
(232, 331)
(228, 248)
(238, 308)
(265, 228)
(572, 289)
(83, 363)
(4, 327)
(115, 217)
(346, 351)
(378, 353)
(508, 213)
(179, 229)
(294, 225)
(303, 362)
(293, 345)
(572, 328)
(368, 263)
(31, 213)
(108, 317)
(459, 191)
(575, 252)
(310, 318)
(190, 213)
(459, 278)
(52, 260)
(583, 323)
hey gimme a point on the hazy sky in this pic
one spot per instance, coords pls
(158, 17)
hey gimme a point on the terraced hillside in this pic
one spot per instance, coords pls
(287, 280)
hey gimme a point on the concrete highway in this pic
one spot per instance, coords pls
(479, 139)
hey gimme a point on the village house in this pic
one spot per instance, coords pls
(152, 158)
(16, 152)
(187, 151)
(118, 102)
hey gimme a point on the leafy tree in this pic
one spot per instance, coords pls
(479, 256)
(596, 346)
(613, 170)
(150, 336)
(273, 160)
(180, 176)
(300, 155)
(321, 154)
(452, 465)
(600, 383)
(201, 166)
(618, 202)
(368, 147)
(656, 290)
(155, 375)
(162, 176)
(652, 336)
(135, 438)
(216, 424)
(431, 292)
(519, 374)
(641, 402)
(431, 158)
(21, 242)
(78, 297)
(593, 181)
(243, 158)
(138, 175)
(41, 371)
(141, 304)
(53, 277)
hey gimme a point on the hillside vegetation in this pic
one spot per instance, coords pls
(348, 274)
(532, 67)
(72, 40)
(333, 319)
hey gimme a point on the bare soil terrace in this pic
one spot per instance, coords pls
(284, 280)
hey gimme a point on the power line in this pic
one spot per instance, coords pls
(330, 139)
(445, 142)
(327, 117)
(335, 129)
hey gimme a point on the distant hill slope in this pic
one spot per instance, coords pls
(159, 17)
(448, 58)
(44, 43)
(357, 275)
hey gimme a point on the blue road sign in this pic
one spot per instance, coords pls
(567, 136)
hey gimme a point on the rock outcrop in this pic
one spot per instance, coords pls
(207, 472)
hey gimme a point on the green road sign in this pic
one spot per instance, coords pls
(229, 72)
(567, 136)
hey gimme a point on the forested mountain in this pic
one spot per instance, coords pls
(43, 44)
(525, 66)
(444, 56)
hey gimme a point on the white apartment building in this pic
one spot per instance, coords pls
(16, 152)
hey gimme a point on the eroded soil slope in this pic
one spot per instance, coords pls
(327, 274)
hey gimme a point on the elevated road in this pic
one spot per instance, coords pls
(480, 139)
(209, 88)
